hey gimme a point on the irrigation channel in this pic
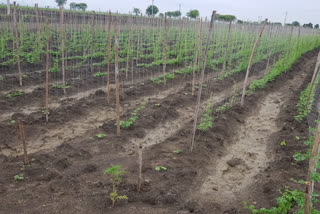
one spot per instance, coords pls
(73, 79)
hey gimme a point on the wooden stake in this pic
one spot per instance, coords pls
(165, 49)
(314, 77)
(17, 41)
(250, 62)
(92, 41)
(23, 142)
(38, 30)
(201, 79)
(138, 46)
(62, 48)
(227, 46)
(47, 75)
(140, 168)
(196, 57)
(8, 7)
(109, 55)
(128, 49)
(312, 163)
(117, 77)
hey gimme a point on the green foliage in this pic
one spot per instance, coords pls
(115, 172)
(283, 143)
(225, 18)
(161, 168)
(19, 177)
(193, 14)
(152, 10)
(15, 94)
(157, 104)
(286, 202)
(136, 11)
(61, 2)
(177, 151)
(100, 74)
(134, 116)
(206, 121)
(45, 112)
(100, 135)
(1, 78)
(159, 79)
(175, 14)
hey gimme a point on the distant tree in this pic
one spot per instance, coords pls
(295, 23)
(226, 18)
(82, 6)
(152, 10)
(161, 15)
(316, 26)
(310, 25)
(73, 6)
(240, 21)
(176, 13)
(193, 14)
(61, 2)
(136, 11)
(275, 23)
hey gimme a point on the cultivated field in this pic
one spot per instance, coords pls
(93, 90)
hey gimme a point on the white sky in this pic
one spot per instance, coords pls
(304, 11)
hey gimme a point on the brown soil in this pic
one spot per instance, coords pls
(238, 159)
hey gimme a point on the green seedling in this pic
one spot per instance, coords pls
(297, 138)
(99, 74)
(158, 104)
(115, 172)
(161, 168)
(100, 136)
(19, 177)
(177, 151)
(12, 121)
(44, 112)
(59, 86)
(15, 94)
(283, 143)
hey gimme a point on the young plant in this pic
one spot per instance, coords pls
(161, 168)
(15, 94)
(19, 177)
(100, 74)
(100, 135)
(59, 86)
(128, 123)
(206, 121)
(115, 172)
(177, 151)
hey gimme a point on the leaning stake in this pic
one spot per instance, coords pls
(314, 77)
(312, 163)
(250, 62)
(201, 80)
(23, 142)
(117, 77)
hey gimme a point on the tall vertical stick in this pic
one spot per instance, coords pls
(312, 163)
(128, 48)
(140, 168)
(314, 77)
(227, 46)
(38, 30)
(23, 142)
(47, 75)
(62, 48)
(109, 53)
(8, 7)
(196, 57)
(17, 41)
(92, 41)
(117, 76)
(250, 62)
(138, 46)
(201, 79)
(165, 49)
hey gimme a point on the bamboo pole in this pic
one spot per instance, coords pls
(92, 41)
(314, 77)
(117, 77)
(47, 74)
(17, 41)
(62, 48)
(38, 29)
(140, 168)
(8, 7)
(312, 163)
(196, 57)
(138, 46)
(227, 46)
(128, 48)
(250, 62)
(23, 142)
(109, 55)
(165, 49)
(201, 79)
